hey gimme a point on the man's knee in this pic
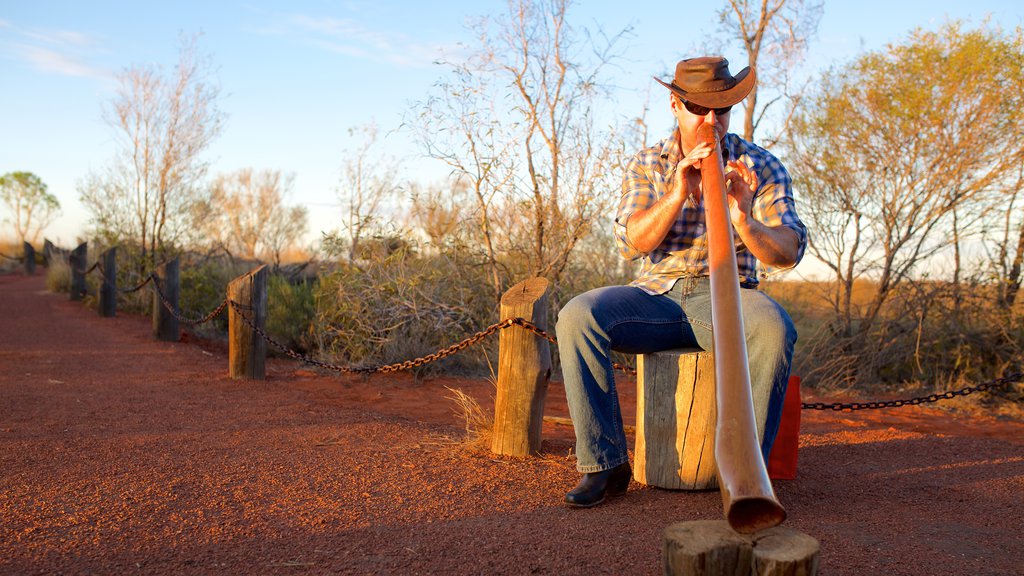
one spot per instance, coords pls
(771, 326)
(576, 316)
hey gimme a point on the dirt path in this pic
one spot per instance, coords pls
(120, 454)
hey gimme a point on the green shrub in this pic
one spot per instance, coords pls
(290, 312)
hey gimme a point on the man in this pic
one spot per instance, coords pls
(661, 220)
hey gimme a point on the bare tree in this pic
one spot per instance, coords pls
(516, 122)
(30, 206)
(774, 34)
(162, 123)
(369, 180)
(247, 214)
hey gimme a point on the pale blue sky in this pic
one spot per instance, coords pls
(297, 75)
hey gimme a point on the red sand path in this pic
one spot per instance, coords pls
(122, 455)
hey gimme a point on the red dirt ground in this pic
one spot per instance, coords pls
(121, 454)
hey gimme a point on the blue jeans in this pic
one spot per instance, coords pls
(627, 319)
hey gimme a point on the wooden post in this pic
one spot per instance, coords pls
(165, 323)
(711, 547)
(108, 289)
(675, 420)
(48, 251)
(247, 350)
(30, 259)
(524, 367)
(77, 261)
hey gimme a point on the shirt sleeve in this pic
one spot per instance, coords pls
(774, 205)
(637, 194)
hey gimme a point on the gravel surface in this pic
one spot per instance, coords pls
(120, 454)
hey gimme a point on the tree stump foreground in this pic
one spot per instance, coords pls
(712, 548)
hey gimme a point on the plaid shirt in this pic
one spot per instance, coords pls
(684, 251)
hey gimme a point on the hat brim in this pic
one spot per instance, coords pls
(744, 83)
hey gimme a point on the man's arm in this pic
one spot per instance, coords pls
(777, 246)
(646, 228)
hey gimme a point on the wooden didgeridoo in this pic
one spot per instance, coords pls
(747, 495)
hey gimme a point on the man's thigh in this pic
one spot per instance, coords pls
(636, 322)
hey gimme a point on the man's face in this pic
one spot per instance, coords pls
(689, 122)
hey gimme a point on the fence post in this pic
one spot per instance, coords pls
(30, 259)
(48, 249)
(165, 323)
(247, 350)
(524, 367)
(108, 289)
(78, 259)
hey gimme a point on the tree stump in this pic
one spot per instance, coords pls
(675, 420)
(77, 261)
(524, 367)
(711, 548)
(165, 323)
(108, 289)
(30, 258)
(247, 351)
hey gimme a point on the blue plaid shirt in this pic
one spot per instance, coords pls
(684, 251)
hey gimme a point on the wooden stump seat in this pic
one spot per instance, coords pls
(675, 420)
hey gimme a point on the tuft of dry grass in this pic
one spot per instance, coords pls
(479, 424)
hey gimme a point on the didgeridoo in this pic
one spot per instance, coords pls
(747, 495)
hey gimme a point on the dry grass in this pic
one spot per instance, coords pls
(479, 424)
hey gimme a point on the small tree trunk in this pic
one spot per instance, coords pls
(524, 367)
(247, 350)
(108, 290)
(165, 323)
(77, 261)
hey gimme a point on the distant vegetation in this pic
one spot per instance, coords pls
(907, 164)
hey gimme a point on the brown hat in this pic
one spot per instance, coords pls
(706, 81)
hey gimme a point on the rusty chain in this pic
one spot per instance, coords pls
(531, 327)
(139, 286)
(421, 361)
(171, 308)
(851, 406)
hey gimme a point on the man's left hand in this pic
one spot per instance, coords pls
(740, 185)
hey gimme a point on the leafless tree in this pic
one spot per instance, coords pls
(162, 123)
(516, 122)
(369, 181)
(774, 34)
(30, 206)
(247, 214)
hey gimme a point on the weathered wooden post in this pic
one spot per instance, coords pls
(165, 323)
(675, 420)
(77, 261)
(712, 547)
(247, 350)
(48, 250)
(108, 289)
(524, 367)
(30, 259)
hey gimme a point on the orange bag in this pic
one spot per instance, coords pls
(782, 458)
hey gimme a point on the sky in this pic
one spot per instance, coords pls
(297, 76)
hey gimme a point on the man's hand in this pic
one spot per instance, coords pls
(686, 179)
(740, 185)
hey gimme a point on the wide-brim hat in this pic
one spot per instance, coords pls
(706, 81)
